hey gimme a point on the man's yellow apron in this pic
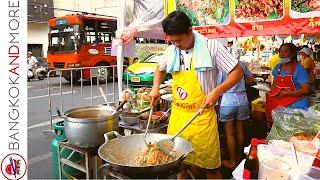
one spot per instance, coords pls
(202, 133)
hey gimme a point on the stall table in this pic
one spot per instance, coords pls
(89, 164)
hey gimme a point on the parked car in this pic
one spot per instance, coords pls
(141, 73)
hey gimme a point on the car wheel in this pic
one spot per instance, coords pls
(75, 74)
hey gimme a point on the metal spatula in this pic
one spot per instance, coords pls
(167, 145)
(147, 128)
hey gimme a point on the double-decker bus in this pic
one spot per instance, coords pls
(80, 40)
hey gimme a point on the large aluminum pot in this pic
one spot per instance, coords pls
(85, 126)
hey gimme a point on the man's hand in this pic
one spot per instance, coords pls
(155, 94)
(211, 100)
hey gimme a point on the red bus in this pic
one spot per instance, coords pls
(80, 40)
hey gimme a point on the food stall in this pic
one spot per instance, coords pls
(220, 18)
(279, 19)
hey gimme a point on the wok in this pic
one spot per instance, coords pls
(121, 153)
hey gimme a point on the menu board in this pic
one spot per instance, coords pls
(235, 18)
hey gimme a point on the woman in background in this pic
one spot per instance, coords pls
(290, 86)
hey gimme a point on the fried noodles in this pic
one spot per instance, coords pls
(154, 156)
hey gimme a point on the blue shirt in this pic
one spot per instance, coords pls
(300, 76)
(236, 96)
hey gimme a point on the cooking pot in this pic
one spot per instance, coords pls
(121, 154)
(157, 119)
(85, 126)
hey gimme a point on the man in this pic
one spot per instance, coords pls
(233, 49)
(259, 52)
(194, 62)
(32, 64)
(233, 111)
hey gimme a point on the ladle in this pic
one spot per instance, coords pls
(104, 96)
(167, 145)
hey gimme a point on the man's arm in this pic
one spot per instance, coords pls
(232, 79)
(158, 76)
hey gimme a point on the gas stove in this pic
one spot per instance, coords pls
(110, 173)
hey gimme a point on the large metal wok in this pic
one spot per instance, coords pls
(121, 154)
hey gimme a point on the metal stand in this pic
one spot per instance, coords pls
(89, 166)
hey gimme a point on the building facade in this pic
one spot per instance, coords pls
(39, 11)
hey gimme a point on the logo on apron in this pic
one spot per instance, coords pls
(182, 93)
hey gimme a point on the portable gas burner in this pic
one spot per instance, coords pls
(110, 173)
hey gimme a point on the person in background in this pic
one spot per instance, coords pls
(305, 56)
(262, 49)
(229, 46)
(290, 85)
(194, 61)
(233, 110)
(274, 59)
(316, 53)
(32, 64)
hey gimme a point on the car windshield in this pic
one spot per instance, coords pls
(155, 58)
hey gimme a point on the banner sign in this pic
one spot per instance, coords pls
(235, 18)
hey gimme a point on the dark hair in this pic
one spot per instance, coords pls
(177, 22)
(293, 49)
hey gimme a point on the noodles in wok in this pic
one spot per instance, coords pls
(154, 156)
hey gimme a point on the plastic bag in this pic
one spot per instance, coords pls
(314, 111)
(288, 122)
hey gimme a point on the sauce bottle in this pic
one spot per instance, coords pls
(313, 173)
(316, 162)
(251, 165)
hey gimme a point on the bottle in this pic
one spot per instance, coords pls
(316, 162)
(313, 172)
(251, 165)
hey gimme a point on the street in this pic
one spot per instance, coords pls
(39, 143)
